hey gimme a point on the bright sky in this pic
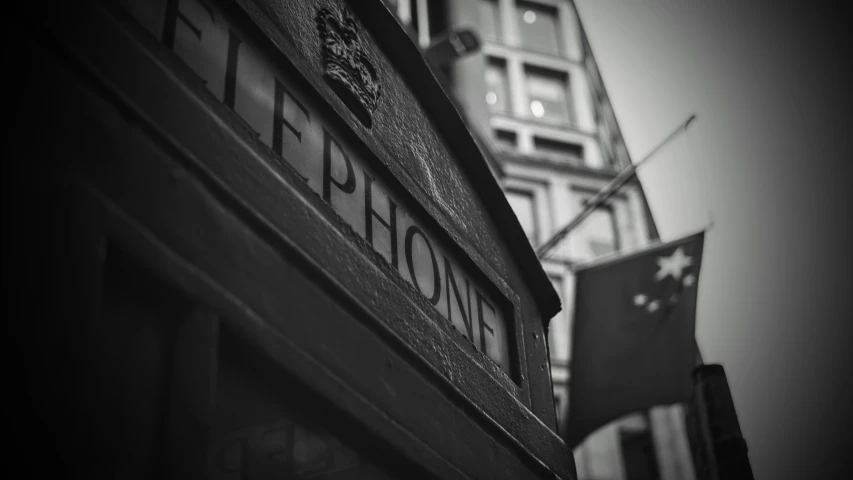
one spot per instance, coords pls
(766, 161)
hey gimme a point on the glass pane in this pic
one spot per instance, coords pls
(266, 426)
(497, 91)
(437, 17)
(490, 20)
(547, 93)
(413, 6)
(638, 452)
(505, 138)
(522, 205)
(570, 152)
(538, 27)
(598, 234)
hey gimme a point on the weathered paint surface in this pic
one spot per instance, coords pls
(245, 79)
(192, 194)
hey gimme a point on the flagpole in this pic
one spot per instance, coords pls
(612, 187)
(642, 250)
(699, 361)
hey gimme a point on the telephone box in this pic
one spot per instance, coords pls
(255, 239)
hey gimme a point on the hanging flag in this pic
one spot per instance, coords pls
(633, 340)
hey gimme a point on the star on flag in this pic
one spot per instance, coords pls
(668, 266)
(673, 265)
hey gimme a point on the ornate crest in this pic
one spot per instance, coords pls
(347, 68)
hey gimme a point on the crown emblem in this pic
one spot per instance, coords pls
(347, 68)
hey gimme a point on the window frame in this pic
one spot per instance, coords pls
(535, 236)
(565, 157)
(495, 63)
(539, 190)
(617, 202)
(579, 128)
(552, 9)
(608, 207)
(580, 89)
(559, 76)
(416, 16)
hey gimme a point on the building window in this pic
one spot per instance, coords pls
(522, 203)
(569, 152)
(539, 27)
(426, 18)
(638, 455)
(438, 18)
(497, 88)
(490, 20)
(506, 139)
(547, 92)
(599, 232)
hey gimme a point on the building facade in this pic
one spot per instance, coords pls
(536, 97)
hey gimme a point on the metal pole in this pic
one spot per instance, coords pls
(699, 360)
(607, 192)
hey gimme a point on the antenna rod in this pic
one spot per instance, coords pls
(607, 192)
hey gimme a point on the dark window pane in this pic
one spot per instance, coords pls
(638, 453)
(268, 426)
(570, 152)
(140, 315)
(415, 14)
(505, 138)
(539, 27)
(497, 89)
(437, 17)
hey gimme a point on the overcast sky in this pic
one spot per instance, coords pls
(767, 163)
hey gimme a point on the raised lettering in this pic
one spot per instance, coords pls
(483, 325)
(369, 213)
(278, 120)
(449, 280)
(436, 287)
(349, 184)
(173, 14)
(252, 84)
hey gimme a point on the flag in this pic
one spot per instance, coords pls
(633, 344)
